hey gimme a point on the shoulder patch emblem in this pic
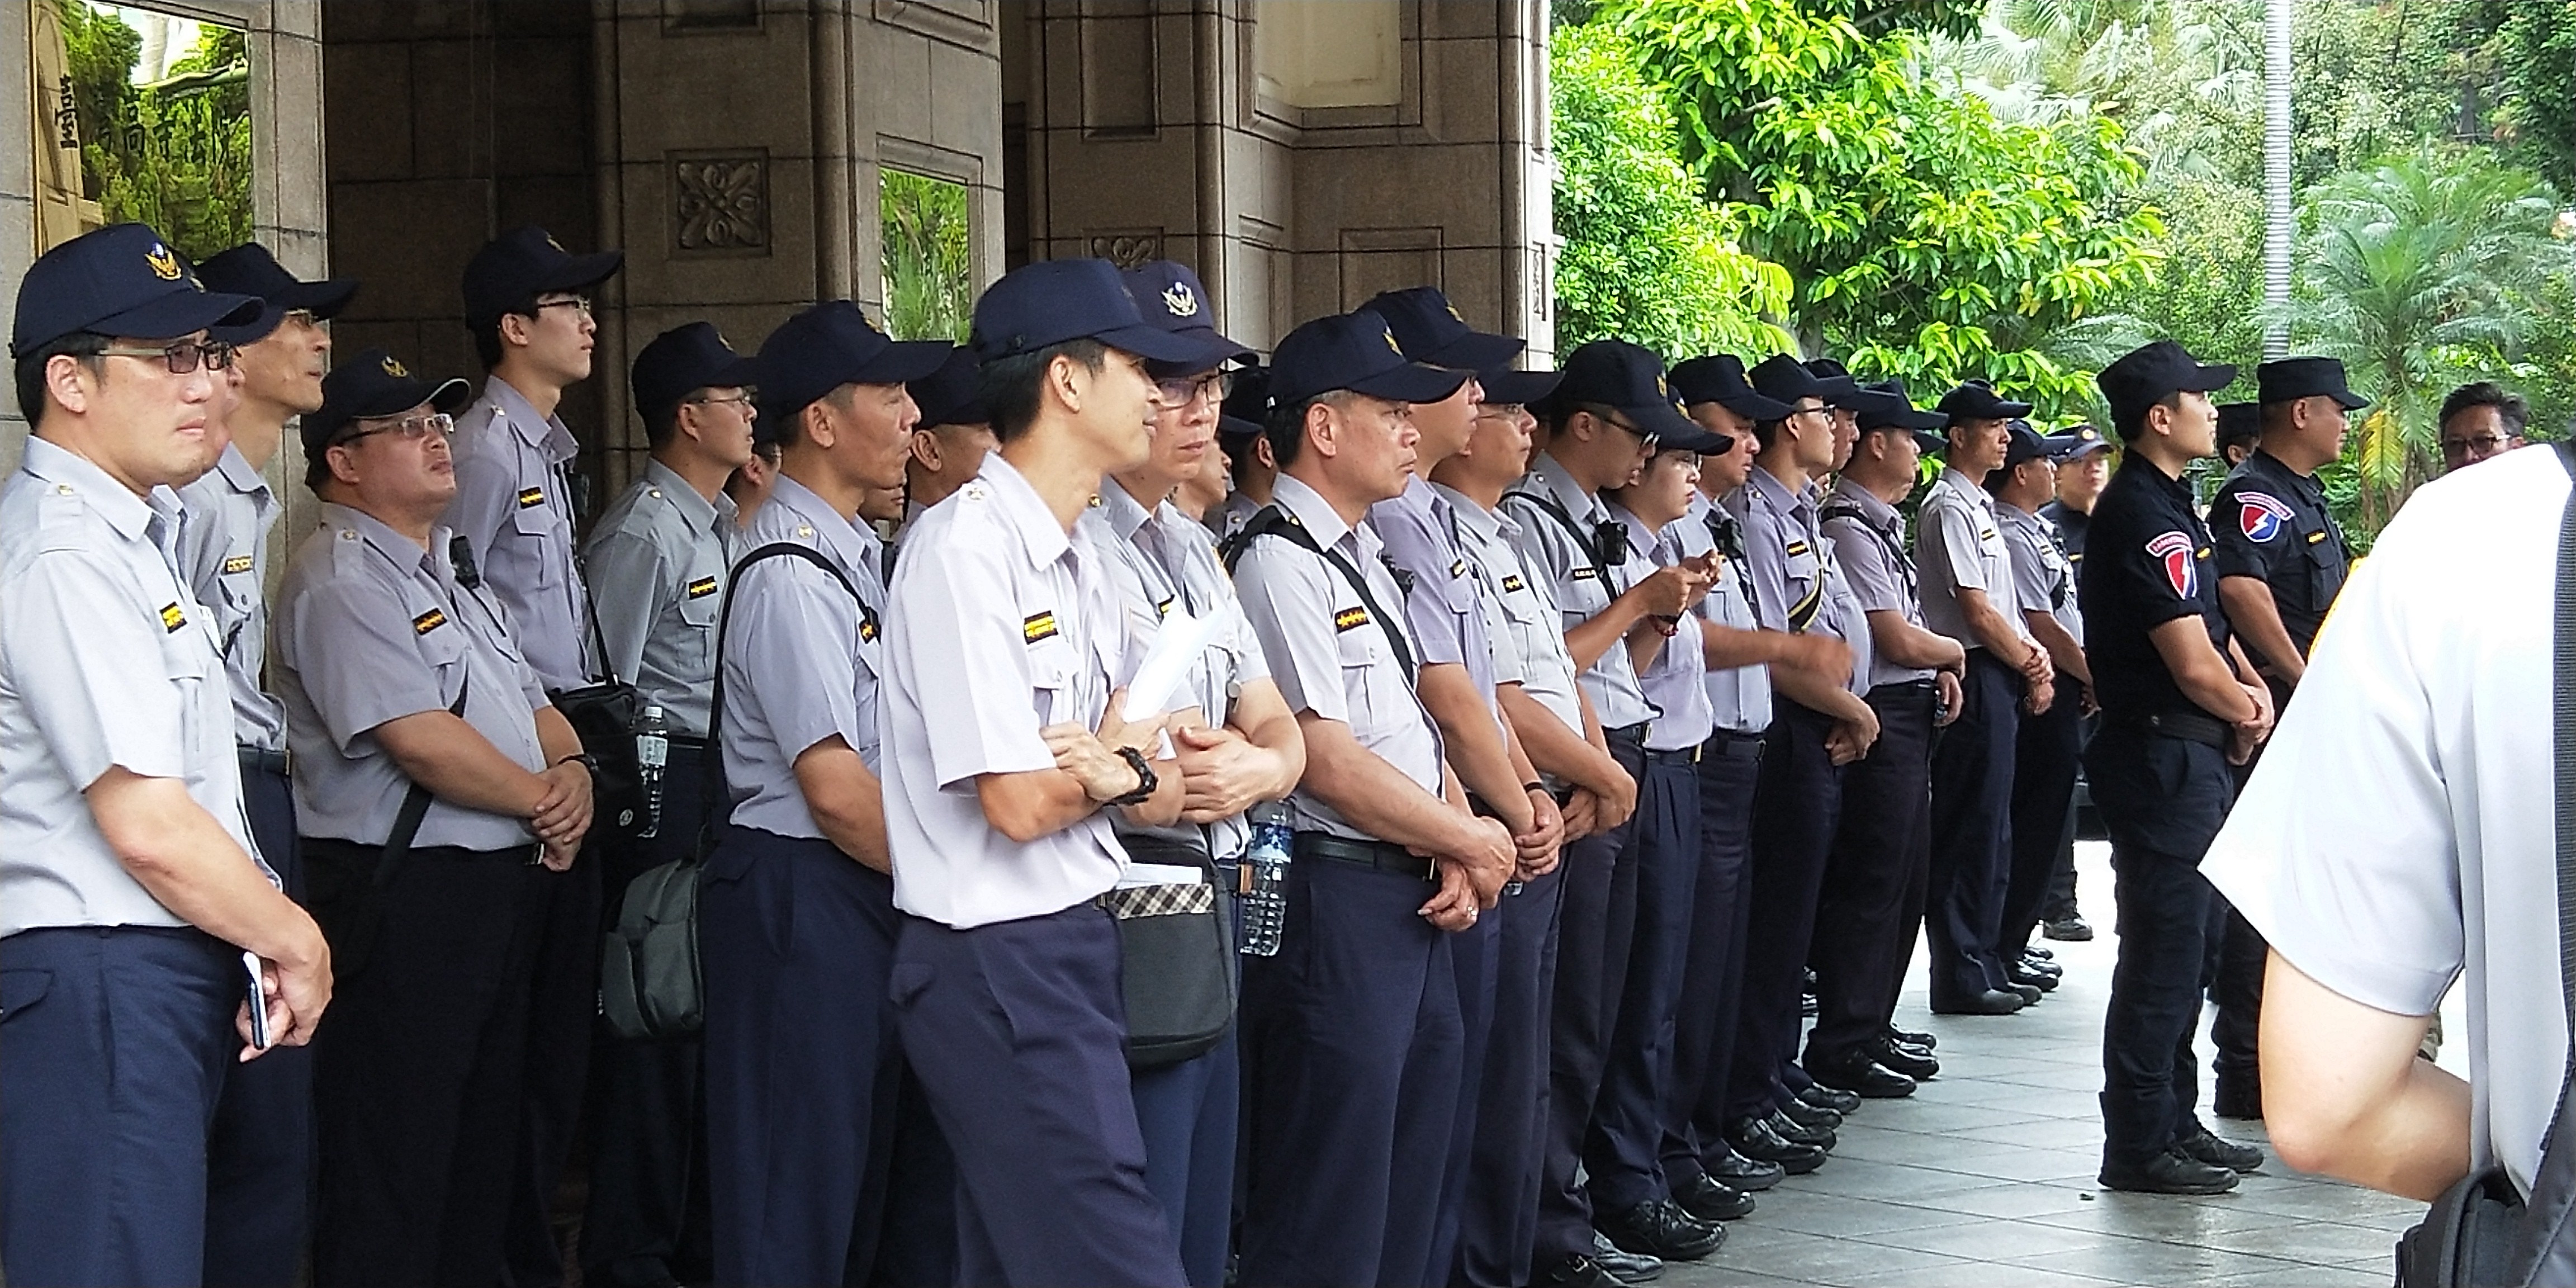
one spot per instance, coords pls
(2261, 516)
(429, 621)
(531, 498)
(1512, 583)
(235, 565)
(702, 587)
(1039, 626)
(2175, 551)
(172, 619)
(1350, 619)
(2317, 536)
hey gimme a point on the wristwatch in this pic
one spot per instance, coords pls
(585, 760)
(1146, 782)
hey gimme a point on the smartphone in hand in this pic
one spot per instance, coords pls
(260, 1039)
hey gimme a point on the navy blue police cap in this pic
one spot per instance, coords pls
(1977, 400)
(825, 347)
(1785, 380)
(2290, 379)
(2077, 442)
(1171, 297)
(121, 280)
(2024, 444)
(2239, 422)
(1353, 351)
(680, 362)
(1430, 331)
(1629, 379)
(374, 383)
(1719, 378)
(513, 269)
(1515, 387)
(1247, 405)
(1047, 303)
(952, 395)
(1898, 411)
(2153, 372)
(248, 269)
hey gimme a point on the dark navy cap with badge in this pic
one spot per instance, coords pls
(2078, 442)
(1428, 328)
(2153, 372)
(1719, 378)
(372, 384)
(952, 395)
(1247, 406)
(512, 270)
(1037, 306)
(1171, 297)
(1353, 351)
(1630, 380)
(1895, 409)
(122, 280)
(2290, 379)
(680, 362)
(1850, 392)
(248, 269)
(1977, 400)
(825, 347)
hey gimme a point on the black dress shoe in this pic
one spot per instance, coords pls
(1710, 1199)
(1797, 1133)
(1859, 1073)
(2023, 977)
(1659, 1228)
(2030, 993)
(2238, 1098)
(1753, 1138)
(1573, 1270)
(2168, 1173)
(1737, 1172)
(2203, 1145)
(2031, 961)
(1913, 1062)
(2069, 929)
(1993, 1001)
(1824, 1097)
(1811, 1117)
(1626, 1267)
(1927, 1041)
(2034, 950)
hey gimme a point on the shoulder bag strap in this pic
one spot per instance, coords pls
(2546, 1214)
(415, 805)
(712, 780)
(1587, 544)
(1275, 522)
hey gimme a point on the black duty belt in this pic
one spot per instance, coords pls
(1634, 733)
(2178, 724)
(1906, 686)
(260, 760)
(1382, 855)
(1678, 756)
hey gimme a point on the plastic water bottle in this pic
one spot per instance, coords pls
(1263, 896)
(652, 752)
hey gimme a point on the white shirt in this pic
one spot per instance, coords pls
(2400, 827)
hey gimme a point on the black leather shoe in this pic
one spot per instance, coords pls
(1824, 1097)
(2023, 977)
(1927, 1041)
(1737, 1172)
(1993, 1001)
(1626, 1267)
(1914, 1062)
(1796, 1133)
(2069, 929)
(1710, 1199)
(2168, 1173)
(1573, 1270)
(2029, 993)
(2034, 950)
(2238, 1098)
(2203, 1145)
(1659, 1228)
(1857, 1072)
(1811, 1117)
(2032, 961)
(1753, 1138)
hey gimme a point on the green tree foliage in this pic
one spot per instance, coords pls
(929, 274)
(176, 154)
(1645, 259)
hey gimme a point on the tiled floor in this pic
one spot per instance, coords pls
(1984, 1178)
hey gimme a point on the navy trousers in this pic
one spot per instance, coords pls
(1018, 1029)
(1864, 939)
(804, 1075)
(1972, 777)
(1475, 963)
(113, 1045)
(1187, 1115)
(1623, 1148)
(1706, 1015)
(563, 1005)
(1352, 1043)
(1797, 803)
(1498, 1207)
(2045, 763)
(259, 1158)
(1593, 936)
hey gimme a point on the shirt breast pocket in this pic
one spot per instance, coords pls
(1358, 645)
(443, 647)
(698, 617)
(1051, 679)
(540, 531)
(2324, 568)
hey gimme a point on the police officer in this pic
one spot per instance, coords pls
(1878, 868)
(1002, 750)
(2281, 561)
(2083, 467)
(1249, 467)
(804, 1079)
(953, 437)
(130, 883)
(260, 1159)
(2179, 703)
(2046, 747)
(1352, 1031)
(2240, 430)
(436, 787)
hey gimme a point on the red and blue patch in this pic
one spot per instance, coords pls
(2174, 549)
(2262, 517)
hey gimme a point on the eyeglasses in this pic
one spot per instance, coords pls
(579, 304)
(300, 317)
(1826, 412)
(1650, 440)
(409, 427)
(1185, 391)
(747, 400)
(2480, 446)
(183, 357)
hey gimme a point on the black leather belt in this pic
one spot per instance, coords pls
(1634, 734)
(1678, 756)
(2177, 724)
(1382, 855)
(1905, 686)
(260, 760)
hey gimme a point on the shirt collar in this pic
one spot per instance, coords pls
(129, 514)
(700, 512)
(1123, 513)
(1486, 526)
(1551, 475)
(393, 545)
(1041, 537)
(545, 433)
(856, 546)
(1310, 510)
(1641, 538)
(1870, 505)
(2266, 463)
(1977, 497)
(237, 471)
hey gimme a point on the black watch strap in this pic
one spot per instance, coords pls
(1146, 781)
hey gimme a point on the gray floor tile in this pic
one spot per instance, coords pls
(1839, 1217)
(1861, 1179)
(2314, 1242)
(2140, 1261)
(1976, 1274)
(1989, 1240)
(2146, 1216)
(2020, 1202)
(2305, 1277)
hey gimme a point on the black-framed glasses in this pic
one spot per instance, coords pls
(1826, 412)
(184, 357)
(2480, 446)
(1184, 391)
(409, 427)
(747, 400)
(577, 303)
(1650, 439)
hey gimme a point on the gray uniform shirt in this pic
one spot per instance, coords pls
(1563, 557)
(1419, 531)
(1796, 584)
(371, 627)
(1529, 646)
(1672, 680)
(1739, 697)
(1331, 654)
(1868, 540)
(802, 662)
(658, 563)
(223, 552)
(106, 661)
(1960, 545)
(514, 507)
(2043, 576)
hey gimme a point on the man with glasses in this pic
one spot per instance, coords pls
(2480, 420)
(435, 785)
(131, 885)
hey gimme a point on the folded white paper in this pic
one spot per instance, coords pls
(1167, 662)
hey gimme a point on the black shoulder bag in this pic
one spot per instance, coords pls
(603, 714)
(2481, 1231)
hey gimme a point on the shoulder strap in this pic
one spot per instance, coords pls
(1583, 541)
(415, 805)
(1275, 522)
(713, 785)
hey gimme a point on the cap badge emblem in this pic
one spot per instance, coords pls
(1391, 345)
(1181, 300)
(550, 240)
(162, 262)
(1453, 313)
(395, 369)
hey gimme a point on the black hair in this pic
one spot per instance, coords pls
(1286, 430)
(661, 424)
(317, 468)
(32, 400)
(1765, 432)
(1238, 450)
(1009, 386)
(487, 335)
(2510, 407)
(2132, 421)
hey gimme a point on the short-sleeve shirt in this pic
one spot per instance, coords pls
(1001, 625)
(1529, 643)
(106, 661)
(2042, 575)
(223, 552)
(2072, 525)
(1796, 584)
(1419, 532)
(1868, 540)
(1559, 523)
(2399, 827)
(2149, 564)
(514, 507)
(1237, 511)
(1960, 546)
(1330, 652)
(1739, 696)
(657, 563)
(2270, 521)
(803, 658)
(372, 626)
(1673, 679)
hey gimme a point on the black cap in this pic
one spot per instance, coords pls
(121, 280)
(1893, 408)
(1171, 297)
(1247, 405)
(1511, 385)
(952, 395)
(680, 362)
(248, 269)
(2079, 441)
(2025, 444)
(1784, 379)
(2150, 373)
(1977, 400)
(369, 385)
(512, 270)
(1835, 383)
(1353, 351)
(2239, 422)
(1046, 303)
(825, 347)
(1630, 380)
(1428, 327)
(1719, 378)
(2290, 379)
